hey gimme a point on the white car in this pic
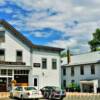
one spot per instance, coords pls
(25, 92)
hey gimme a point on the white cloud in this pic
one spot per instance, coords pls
(40, 34)
(63, 43)
(6, 10)
(86, 12)
(2, 2)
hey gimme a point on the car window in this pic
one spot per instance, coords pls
(19, 89)
(56, 88)
(29, 88)
(47, 88)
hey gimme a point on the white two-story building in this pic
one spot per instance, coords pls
(25, 62)
(83, 70)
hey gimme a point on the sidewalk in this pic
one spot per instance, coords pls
(4, 95)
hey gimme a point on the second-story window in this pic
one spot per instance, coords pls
(2, 55)
(82, 70)
(54, 63)
(72, 71)
(19, 56)
(92, 69)
(64, 71)
(44, 63)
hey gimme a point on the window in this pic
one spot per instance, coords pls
(72, 71)
(64, 71)
(35, 81)
(3, 71)
(19, 56)
(44, 63)
(21, 78)
(92, 69)
(10, 72)
(22, 72)
(64, 83)
(54, 63)
(72, 81)
(82, 70)
(2, 55)
(2, 36)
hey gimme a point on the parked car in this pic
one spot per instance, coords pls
(25, 92)
(53, 92)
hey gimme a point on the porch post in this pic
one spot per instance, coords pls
(81, 87)
(95, 85)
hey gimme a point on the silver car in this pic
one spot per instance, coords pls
(25, 92)
(53, 92)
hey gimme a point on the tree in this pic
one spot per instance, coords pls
(95, 42)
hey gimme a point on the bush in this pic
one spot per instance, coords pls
(72, 87)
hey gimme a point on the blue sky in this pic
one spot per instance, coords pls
(58, 23)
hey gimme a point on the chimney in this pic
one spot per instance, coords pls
(68, 56)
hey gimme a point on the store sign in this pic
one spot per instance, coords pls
(36, 64)
(12, 63)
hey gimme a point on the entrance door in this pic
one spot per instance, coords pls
(36, 82)
(3, 84)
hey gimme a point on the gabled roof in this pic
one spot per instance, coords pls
(16, 33)
(87, 58)
(22, 38)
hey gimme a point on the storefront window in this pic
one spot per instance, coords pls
(3, 71)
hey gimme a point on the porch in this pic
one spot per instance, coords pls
(89, 86)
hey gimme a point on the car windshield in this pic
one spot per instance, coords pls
(19, 89)
(53, 87)
(29, 88)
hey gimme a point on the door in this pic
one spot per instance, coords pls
(3, 84)
(36, 82)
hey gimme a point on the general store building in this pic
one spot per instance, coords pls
(25, 62)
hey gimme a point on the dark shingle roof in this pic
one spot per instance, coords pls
(22, 38)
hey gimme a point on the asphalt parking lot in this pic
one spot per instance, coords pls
(72, 96)
(91, 97)
(12, 99)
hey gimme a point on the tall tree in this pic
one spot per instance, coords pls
(95, 42)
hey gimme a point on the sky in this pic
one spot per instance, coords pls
(58, 23)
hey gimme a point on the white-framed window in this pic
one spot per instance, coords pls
(3, 72)
(2, 55)
(19, 56)
(54, 63)
(64, 71)
(44, 63)
(92, 69)
(72, 71)
(82, 69)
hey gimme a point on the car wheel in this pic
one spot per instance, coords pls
(36, 99)
(61, 98)
(46, 95)
(21, 97)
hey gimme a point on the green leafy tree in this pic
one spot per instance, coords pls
(95, 42)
